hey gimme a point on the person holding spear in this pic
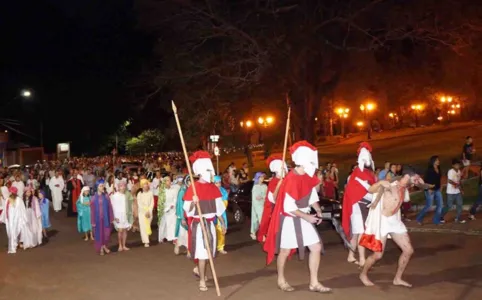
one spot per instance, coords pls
(203, 238)
(292, 226)
(211, 203)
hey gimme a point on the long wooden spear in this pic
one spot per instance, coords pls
(285, 145)
(287, 133)
(203, 228)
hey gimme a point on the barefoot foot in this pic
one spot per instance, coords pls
(400, 282)
(367, 282)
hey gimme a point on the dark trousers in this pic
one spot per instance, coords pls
(478, 202)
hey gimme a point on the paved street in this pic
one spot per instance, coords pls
(445, 266)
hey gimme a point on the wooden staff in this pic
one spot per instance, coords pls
(203, 228)
(287, 133)
(283, 163)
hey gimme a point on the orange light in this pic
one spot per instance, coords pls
(347, 110)
(413, 106)
(269, 120)
(362, 107)
(442, 99)
(241, 123)
(458, 105)
(440, 118)
(345, 116)
(339, 111)
(359, 123)
(370, 106)
(260, 120)
(449, 99)
(249, 124)
(391, 115)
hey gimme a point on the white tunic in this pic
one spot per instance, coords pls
(56, 185)
(288, 234)
(15, 220)
(167, 228)
(201, 252)
(118, 201)
(31, 235)
(20, 187)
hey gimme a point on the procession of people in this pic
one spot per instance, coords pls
(285, 212)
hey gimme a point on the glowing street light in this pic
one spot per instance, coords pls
(26, 93)
(417, 108)
(366, 109)
(342, 112)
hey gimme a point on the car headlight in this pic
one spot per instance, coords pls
(322, 207)
(336, 206)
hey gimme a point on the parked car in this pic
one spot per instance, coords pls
(240, 204)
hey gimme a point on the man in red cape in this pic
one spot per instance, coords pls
(210, 200)
(355, 200)
(275, 164)
(74, 186)
(292, 226)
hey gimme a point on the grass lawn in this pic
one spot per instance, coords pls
(471, 190)
(407, 146)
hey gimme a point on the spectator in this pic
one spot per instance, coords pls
(392, 173)
(454, 191)
(467, 154)
(433, 178)
(478, 202)
(383, 173)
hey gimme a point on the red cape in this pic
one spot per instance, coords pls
(267, 210)
(297, 186)
(354, 192)
(76, 192)
(205, 191)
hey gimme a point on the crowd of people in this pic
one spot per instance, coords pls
(105, 193)
(101, 195)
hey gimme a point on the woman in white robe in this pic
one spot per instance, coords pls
(14, 216)
(167, 227)
(31, 236)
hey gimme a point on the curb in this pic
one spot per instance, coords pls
(446, 231)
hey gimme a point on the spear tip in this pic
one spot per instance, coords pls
(174, 108)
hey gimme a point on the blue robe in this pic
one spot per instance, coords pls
(180, 210)
(84, 223)
(224, 196)
(44, 209)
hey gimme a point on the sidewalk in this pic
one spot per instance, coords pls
(469, 228)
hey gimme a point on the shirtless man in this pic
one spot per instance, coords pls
(388, 199)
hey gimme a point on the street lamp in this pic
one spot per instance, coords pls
(417, 108)
(26, 93)
(366, 109)
(359, 124)
(342, 112)
(265, 121)
(393, 118)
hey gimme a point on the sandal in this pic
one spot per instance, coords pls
(285, 287)
(319, 288)
(203, 288)
(102, 252)
(355, 262)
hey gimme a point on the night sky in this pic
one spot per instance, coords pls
(81, 59)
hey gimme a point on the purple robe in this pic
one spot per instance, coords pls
(102, 217)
